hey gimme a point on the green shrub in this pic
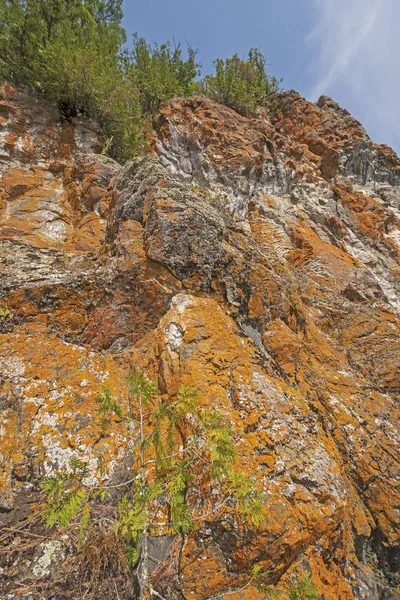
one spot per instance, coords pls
(36, 33)
(161, 73)
(171, 437)
(243, 85)
(303, 589)
(72, 51)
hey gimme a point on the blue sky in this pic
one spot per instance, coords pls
(346, 49)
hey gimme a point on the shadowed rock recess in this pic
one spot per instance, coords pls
(256, 259)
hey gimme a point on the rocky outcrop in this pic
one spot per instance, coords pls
(257, 259)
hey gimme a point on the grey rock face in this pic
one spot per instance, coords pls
(365, 164)
(180, 230)
(193, 151)
(45, 136)
(237, 184)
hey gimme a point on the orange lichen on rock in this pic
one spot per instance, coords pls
(51, 412)
(255, 259)
(369, 215)
(326, 131)
(226, 371)
(225, 134)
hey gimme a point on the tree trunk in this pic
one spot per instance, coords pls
(143, 569)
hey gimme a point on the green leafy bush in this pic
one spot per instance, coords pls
(161, 72)
(169, 439)
(243, 85)
(72, 51)
(40, 37)
(303, 589)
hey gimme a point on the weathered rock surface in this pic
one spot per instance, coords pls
(257, 259)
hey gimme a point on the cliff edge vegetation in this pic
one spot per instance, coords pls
(74, 53)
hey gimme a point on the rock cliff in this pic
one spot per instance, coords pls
(257, 259)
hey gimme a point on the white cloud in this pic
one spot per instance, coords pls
(357, 45)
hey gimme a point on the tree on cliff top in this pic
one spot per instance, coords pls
(243, 85)
(178, 449)
(31, 30)
(73, 52)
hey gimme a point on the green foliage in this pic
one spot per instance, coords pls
(107, 404)
(132, 520)
(177, 447)
(219, 444)
(72, 51)
(5, 313)
(303, 589)
(259, 579)
(243, 85)
(140, 388)
(107, 146)
(38, 34)
(161, 72)
(249, 501)
(66, 494)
